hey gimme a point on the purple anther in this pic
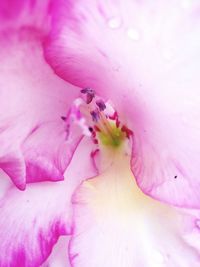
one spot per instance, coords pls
(101, 104)
(95, 115)
(90, 129)
(90, 94)
(63, 118)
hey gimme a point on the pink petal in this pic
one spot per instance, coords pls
(20, 13)
(33, 138)
(144, 56)
(58, 257)
(31, 221)
(115, 224)
(47, 158)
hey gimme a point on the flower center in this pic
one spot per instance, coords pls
(102, 120)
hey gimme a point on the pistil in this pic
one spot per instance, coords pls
(103, 126)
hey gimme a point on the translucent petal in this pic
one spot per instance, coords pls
(33, 100)
(115, 224)
(144, 56)
(31, 221)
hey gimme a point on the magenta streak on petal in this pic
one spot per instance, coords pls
(31, 222)
(20, 257)
(11, 9)
(14, 166)
(33, 99)
(53, 166)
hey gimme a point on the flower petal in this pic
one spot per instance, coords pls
(47, 159)
(33, 100)
(59, 256)
(144, 56)
(31, 221)
(115, 224)
(20, 13)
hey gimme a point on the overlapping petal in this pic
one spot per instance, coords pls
(31, 221)
(115, 224)
(144, 56)
(33, 137)
(58, 257)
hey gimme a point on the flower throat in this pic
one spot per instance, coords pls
(104, 124)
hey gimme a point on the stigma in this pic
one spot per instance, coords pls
(102, 120)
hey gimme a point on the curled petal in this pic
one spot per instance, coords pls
(147, 63)
(31, 221)
(14, 166)
(33, 136)
(47, 158)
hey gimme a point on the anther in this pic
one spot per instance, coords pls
(63, 118)
(104, 124)
(90, 129)
(90, 94)
(101, 105)
(95, 115)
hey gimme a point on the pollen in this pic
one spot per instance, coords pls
(103, 120)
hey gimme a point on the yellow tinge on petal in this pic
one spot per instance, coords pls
(118, 185)
(118, 225)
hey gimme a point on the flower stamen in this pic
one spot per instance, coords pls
(103, 125)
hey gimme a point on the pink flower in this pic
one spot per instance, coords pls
(141, 58)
